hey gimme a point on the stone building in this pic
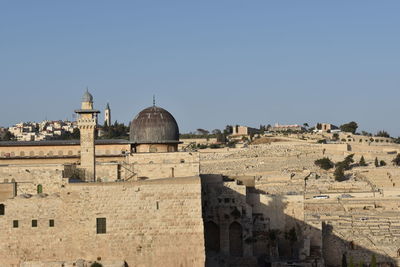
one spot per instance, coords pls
(107, 115)
(148, 204)
(87, 123)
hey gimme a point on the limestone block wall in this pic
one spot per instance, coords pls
(150, 223)
(107, 172)
(28, 178)
(164, 165)
(360, 233)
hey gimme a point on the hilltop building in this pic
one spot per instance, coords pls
(107, 115)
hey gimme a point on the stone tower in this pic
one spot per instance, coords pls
(107, 116)
(87, 122)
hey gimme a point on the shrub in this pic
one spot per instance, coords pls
(339, 174)
(345, 164)
(396, 160)
(96, 264)
(324, 163)
(362, 161)
(382, 163)
(376, 162)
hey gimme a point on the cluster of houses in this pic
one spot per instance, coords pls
(38, 131)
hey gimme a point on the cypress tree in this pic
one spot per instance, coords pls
(362, 161)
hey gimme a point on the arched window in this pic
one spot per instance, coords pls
(235, 240)
(212, 237)
(39, 189)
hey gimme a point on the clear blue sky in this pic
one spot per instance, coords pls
(210, 63)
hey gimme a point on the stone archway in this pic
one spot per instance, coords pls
(212, 237)
(235, 240)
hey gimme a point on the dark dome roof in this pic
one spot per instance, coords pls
(154, 125)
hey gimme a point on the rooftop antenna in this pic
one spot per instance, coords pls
(154, 100)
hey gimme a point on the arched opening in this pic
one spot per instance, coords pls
(2, 209)
(211, 236)
(235, 240)
(39, 189)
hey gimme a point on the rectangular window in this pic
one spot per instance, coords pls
(51, 223)
(15, 223)
(101, 225)
(2, 209)
(34, 223)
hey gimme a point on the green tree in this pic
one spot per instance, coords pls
(382, 163)
(382, 134)
(350, 127)
(324, 163)
(362, 161)
(396, 160)
(376, 162)
(115, 131)
(228, 129)
(339, 174)
(7, 136)
(346, 163)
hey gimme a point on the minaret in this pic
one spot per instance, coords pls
(87, 122)
(107, 116)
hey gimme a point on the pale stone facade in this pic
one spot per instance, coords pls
(147, 224)
(87, 123)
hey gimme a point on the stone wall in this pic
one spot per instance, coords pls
(28, 178)
(151, 223)
(163, 165)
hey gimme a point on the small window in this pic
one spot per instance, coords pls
(182, 161)
(15, 224)
(157, 205)
(2, 209)
(34, 223)
(226, 200)
(101, 225)
(51, 223)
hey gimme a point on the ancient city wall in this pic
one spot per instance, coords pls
(28, 178)
(151, 223)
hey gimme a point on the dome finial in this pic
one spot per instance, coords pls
(154, 100)
(87, 97)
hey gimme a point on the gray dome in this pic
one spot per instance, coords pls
(87, 97)
(154, 125)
